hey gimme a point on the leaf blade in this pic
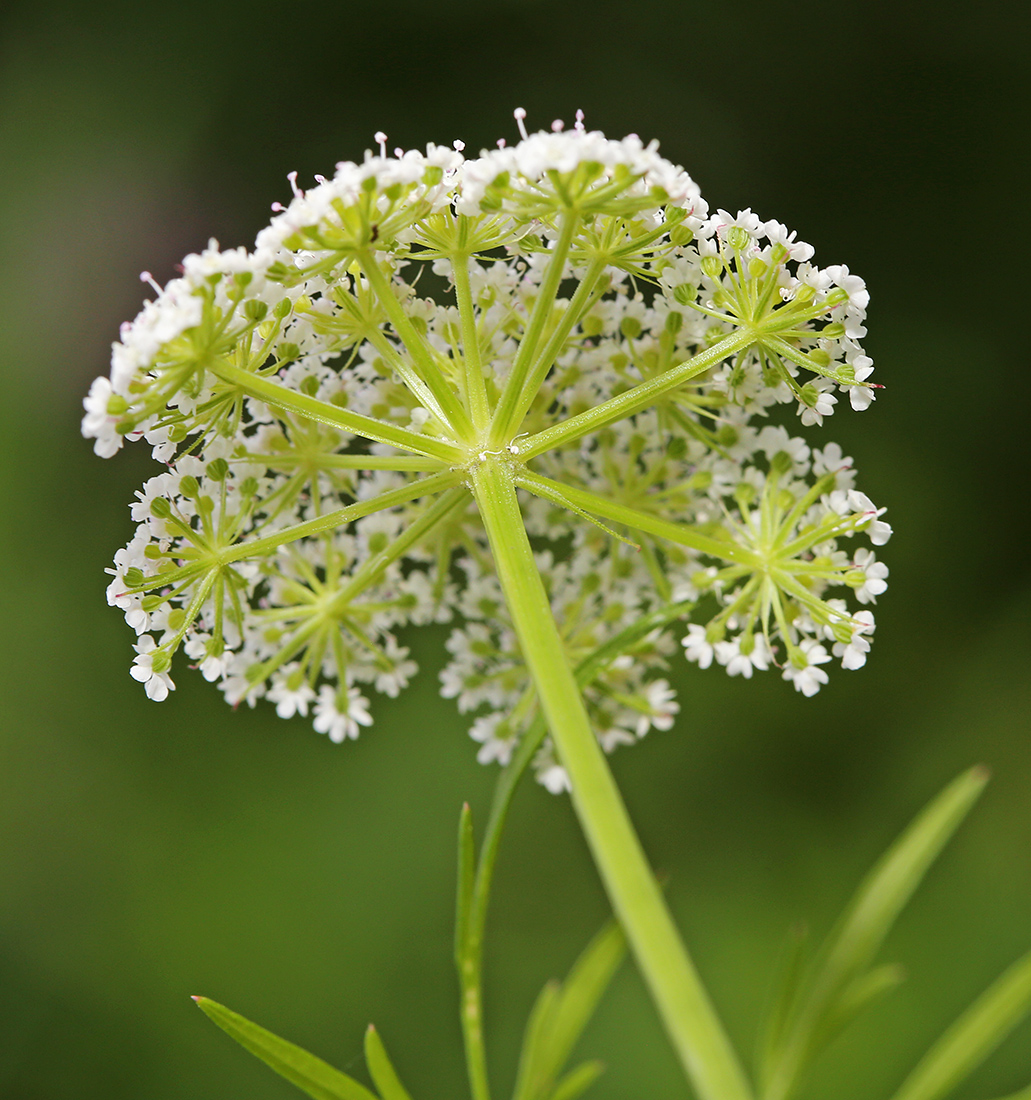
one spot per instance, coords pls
(381, 1069)
(974, 1036)
(309, 1073)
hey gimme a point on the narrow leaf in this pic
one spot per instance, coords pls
(466, 881)
(579, 996)
(786, 988)
(1024, 1094)
(973, 1036)
(310, 1074)
(891, 883)
(537, 1028)
(383, 1074)
(860, 994)
(578, 1081)
(852, 945)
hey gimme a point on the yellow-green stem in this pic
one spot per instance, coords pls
(685, 1008)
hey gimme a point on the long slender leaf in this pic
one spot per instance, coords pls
(858, 995)
(382, 1072)
(310, 1074)
(784, 996)
(891, 883)
(850, 948)
(578, 1081)
(534, 1040)
(580, 994)
(562, 1011)
(1024, 1094)
(973, 1036)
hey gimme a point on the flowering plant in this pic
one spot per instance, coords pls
(568, 450)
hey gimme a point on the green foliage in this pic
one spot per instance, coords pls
(973, 1036)
(310, 1074)
(558, 1019)
(382, 1072)
(815, 1003)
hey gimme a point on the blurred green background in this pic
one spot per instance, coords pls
(149, 852)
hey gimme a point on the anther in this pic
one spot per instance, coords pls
(558, 126)
(459, 145)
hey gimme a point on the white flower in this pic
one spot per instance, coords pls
(729, 653)
(853, 654)
(156, 684)
(809, 678)
(697, 646)
(875, 573)
(290, 700)
(341, 724)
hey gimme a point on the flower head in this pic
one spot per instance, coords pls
(320, 404)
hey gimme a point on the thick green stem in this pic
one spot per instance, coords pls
(470, 953)
(682, 1001)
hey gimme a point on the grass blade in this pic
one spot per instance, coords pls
(310, 1074)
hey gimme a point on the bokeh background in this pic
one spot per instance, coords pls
(149, 852)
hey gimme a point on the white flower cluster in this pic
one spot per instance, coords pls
(592, 330)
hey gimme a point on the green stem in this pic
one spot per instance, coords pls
(396, 463)
(475, 387)
(435, 483)
(526, 354)
(642, 395)
(470, 961)
(275, 394)
(583, 499)
(449, 404)
(574, 311)
(683, 1004)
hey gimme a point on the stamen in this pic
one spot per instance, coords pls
(520, 113)
(146, 277)
(579, 124)
(381, 140)
(558, 126)
(459, 145)
(292, 177)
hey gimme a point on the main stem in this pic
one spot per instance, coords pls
(685, 1008)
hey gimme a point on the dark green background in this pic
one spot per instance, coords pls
(148, 852)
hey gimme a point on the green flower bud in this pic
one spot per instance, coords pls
(712, 266)
(217, 469)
